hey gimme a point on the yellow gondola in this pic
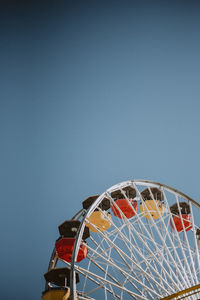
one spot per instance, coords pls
(101, 219)
(61, 278)
(152, 208)
(198, 236)
(56, 294)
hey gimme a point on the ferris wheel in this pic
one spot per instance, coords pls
(137, 240)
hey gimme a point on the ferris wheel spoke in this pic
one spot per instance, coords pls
(107, 266)
(103, 270)
(102, 252)
(110, 276)
(132, 294)
(142, 261)
(119, 268)
(152, 254)
(125, 274)
(125, 257)
(155, 227)
(188, 247)
(92, 275)
(114, 262)
(142, 236)
(98, 283)
(189, 250)
(149, 277)
(149, 250)
(195, 239)
(163, 241)
(180, 246)
(94, 279)
(106, 289)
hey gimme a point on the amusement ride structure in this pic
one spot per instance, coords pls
(138, 240)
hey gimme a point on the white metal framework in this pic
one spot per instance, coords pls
(140, 257)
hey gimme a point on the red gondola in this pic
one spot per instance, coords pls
(64, 249)
(128, 207)
(187, 222)
(178, 211)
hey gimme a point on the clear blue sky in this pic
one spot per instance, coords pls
(92, 93)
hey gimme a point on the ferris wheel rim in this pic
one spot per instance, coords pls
(158, 184)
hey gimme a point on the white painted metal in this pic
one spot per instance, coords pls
(138, 258)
